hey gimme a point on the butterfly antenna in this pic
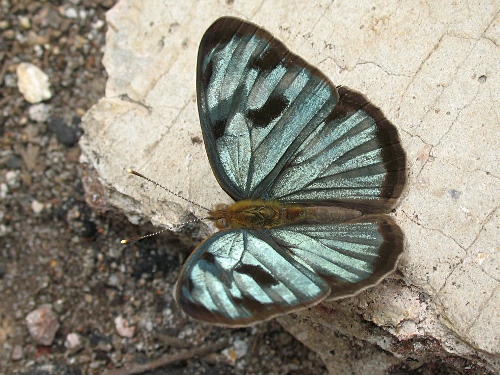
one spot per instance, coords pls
(129, 240)
(131, 171)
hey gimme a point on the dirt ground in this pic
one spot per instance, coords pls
(55, 249)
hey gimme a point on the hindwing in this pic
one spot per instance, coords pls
(238, 277)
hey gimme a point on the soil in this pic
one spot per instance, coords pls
(56, 249)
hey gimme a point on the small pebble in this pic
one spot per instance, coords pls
(4, 230)
(9, 34)
(10, 80)
(24, 22)
(67, 134)
(4, 190)
(39, 112)
(73, 342)
(37, 207)
(113, 280)
(101, 342)
(14, 162)
(17, 353)
(33, 83)
(97, 24)
(240, 347)
(70, 13)
(88, 298)
(58, 306)
(13, 179)
(33, 39)
(42, 324)
(123, 328)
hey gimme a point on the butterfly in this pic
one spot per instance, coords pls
(313, 170)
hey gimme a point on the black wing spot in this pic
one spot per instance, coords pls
(272, 109)
(259, 274)
(267, 60)
(219, 127)
(209, 258)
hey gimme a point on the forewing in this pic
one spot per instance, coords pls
(354, 159)
(350, 256)
(239, 277)
(257, 102)
(275, 128)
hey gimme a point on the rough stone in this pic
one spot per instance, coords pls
(33, 83)
(39, 112)
(42, 324)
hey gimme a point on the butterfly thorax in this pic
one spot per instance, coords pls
(257, 214)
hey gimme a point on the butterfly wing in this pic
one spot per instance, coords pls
(276, 128)
(257, 103)
(350, 256)
(353, 159)
(238, 277)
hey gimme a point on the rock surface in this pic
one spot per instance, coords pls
(433, 70)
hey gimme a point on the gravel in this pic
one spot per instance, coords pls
(113, 303)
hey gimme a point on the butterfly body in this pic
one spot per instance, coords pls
(313, 169)
(257, 214)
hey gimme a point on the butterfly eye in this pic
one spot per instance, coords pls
(221, 223)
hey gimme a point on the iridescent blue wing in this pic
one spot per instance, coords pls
(276, 128)
(238, 277)
(257, 103)
(350, 256)
(353, 159)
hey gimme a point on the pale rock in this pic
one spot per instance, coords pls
(4, 190)
(36, 206)
(123, 328)
(70, 13)
(17, 353)
(33, 83)
(237, 351)
(24, 22)
(42, 324)
(39, 112)
(13, 179)
(73, 342)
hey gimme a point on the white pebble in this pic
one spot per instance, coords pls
(123, 328)
(70, 13)
(73, 341)
(33, 83)
(36, 206)
(39, 112)
(4, 190)
(13, 179)
(24, 22)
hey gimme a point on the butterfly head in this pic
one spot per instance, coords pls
(219, 216)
